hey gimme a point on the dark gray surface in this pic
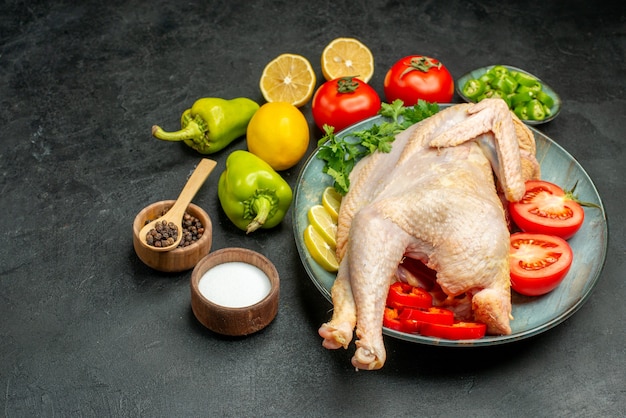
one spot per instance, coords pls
(87, 330)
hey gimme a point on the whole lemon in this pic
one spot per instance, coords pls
(278, 133)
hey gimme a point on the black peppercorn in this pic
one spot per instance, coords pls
(164, 234)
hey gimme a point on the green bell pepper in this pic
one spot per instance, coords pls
(251, 193)
(211, 123)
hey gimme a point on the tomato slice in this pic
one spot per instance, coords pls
(459, 330)
(403, 295)
(390, 319)
(413, 319)
(538, 262)
(547, 209)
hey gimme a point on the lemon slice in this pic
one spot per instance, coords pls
(345, 57)
(324, 224)
(320, 250)
(288, 78)
(331, 200)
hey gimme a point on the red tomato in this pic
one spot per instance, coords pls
(538, 262)
(344, 101)
(418, 77)
(459, 330)
(413, 319)
(390, 319)
(403, 295)
(547, 209)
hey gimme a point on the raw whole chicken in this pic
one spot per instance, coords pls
(433, 198)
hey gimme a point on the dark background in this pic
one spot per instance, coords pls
(87, 330)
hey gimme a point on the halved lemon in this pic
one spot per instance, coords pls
(320, 250)
(331, 200)
(345, 57)
(324, 224)
(288, 78)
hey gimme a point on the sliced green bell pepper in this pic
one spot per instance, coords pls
(521, 98)
(535, 110)
(505, 83)
(494, 94)
(211, 123)
(499, 71)
(525, 79)
(522, 92)
(487, 78)
(473, 88)
(534, 89)
(251, 193)
(521, 111)
(546, 99)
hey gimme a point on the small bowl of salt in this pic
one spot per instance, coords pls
(235, 291)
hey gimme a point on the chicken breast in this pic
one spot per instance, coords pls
(433, 198)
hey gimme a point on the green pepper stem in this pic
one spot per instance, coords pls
(262, 206)
(191, 131)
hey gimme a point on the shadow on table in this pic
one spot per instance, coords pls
(409, 358)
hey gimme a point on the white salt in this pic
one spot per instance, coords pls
(234, 284)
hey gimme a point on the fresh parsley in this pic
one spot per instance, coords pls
(342, 153)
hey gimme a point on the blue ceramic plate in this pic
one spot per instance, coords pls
(554, 110)
(533, 315)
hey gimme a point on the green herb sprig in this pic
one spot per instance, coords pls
(342, 153)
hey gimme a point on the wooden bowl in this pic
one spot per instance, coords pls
(178, 259)
(229, 320)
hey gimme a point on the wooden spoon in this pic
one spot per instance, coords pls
(176, 212)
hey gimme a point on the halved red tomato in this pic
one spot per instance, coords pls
(403, 295)
(459, 330)
(547, 209)
(538, 262)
